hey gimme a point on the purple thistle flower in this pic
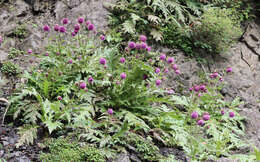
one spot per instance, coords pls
(59, 98)
(190, 89)
(196, 88)
(123, 75)
(214, 75)
(199, 94)
(56, 27)
(76, 27)
(202, 87)
(73, 34)
(206, 117)
(62, 29)
(166, 70)
(170, 92)
(90, 80)
(88, 23)
(57, 53)
(175, 67)
(122, 60)
(138, 46)
(148, 48)
(157, 70)
(143, 38)
(110, 111)
(222, 112)
(102, 61)
(80, 20)
(231, 114)
(102, 37)
(46, 54)
(29, 51)
(177, 72)
(1, 39)
(90, 27)
(221, 79)
(158, 82)
(131, 45)
(162, 56)
(145, 77)
(143, 45)
(117, 82)
(194, 115)
(82, 85)
(46, 28)
(201, 122)
(70, 61)
(229, 70)
(65, 21)
(170, 60)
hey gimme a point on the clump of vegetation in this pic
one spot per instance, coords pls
(10, 69)
(13, 53)
(64, 150)
(217, 31)
(20, 31)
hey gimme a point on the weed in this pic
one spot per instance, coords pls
(10, 69)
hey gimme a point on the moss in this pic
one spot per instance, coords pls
(64, 150)
(10, 69)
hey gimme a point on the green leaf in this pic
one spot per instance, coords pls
(129, 27)
(52, 125)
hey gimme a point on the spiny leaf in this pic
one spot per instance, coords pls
(27, 135)
(154, 19)
(157, 35)
(128, 27)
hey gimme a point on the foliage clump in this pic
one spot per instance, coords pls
(64, 150)
(10, 69)
(217, 31)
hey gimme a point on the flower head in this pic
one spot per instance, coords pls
(222, 112)
(1, 39)
(231, 114)
(190, 89)
(143, 45)
(76, 27)
(29, 51)
(229, 69)
(102, 61)
(59, 98)
(80, 20)
(91, 27)
(148, 48)
(174, 67)
(110, 111)
(177, 72)
(201, 122)
(170, 92)
(46, 54)
(46, 28)
(88, 22)
(162, 56)
(90, 80)
(82, 85)
(202, 87)
(70, 61)
(157, 70)
(122, 60)
(206, 117)
(131, 45)
(73, 34)
(56, 27)
(65, 21)
(138, 46)
(145, 77)
(170, 60)
(194, 115)
(62, 29)
(123, 75)
(196, 88)
(102, 37)
(158, 82)
(143, 38)
(166, 70)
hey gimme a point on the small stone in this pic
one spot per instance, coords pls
(2, 153)
(5, 143)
